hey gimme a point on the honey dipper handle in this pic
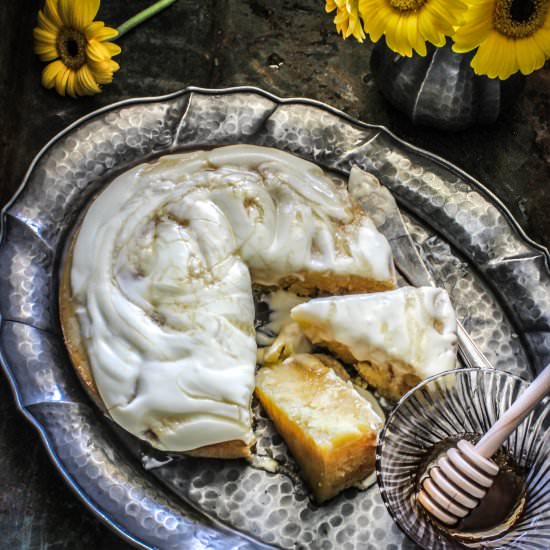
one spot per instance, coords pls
(510, 420)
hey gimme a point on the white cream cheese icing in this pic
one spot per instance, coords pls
(161, 277)
(414, 325)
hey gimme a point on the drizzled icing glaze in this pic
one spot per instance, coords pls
(161, 279)
(414, 325)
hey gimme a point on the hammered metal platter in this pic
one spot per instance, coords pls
(499, 281)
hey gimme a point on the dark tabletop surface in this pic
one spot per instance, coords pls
(287, 47)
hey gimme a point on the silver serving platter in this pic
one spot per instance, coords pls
(498, 279)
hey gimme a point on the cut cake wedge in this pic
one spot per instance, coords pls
(329, 428)
(394, 339)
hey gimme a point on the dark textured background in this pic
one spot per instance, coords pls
(287, 47)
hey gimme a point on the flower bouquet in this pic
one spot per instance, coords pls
(457, 61)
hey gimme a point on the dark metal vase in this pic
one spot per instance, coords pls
(441, 90)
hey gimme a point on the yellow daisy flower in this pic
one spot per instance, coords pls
(510, 36)
(75, 45)
(347, 19)
(409, 24)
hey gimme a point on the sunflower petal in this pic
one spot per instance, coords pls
(530, 56)
(347, 19)
(45, 23)
(86, 82)
(506, 63)
(45, 44)
(44, 37)
(499, 57)
(66, 12)
(78, 14)
(46, 53)
(52, 13)
(484, 60)
(98, 31)
(376, 24)
(61, 80)
(542, 39)
(415, 38)
(89, 11)
(471, 35)
(96, 51)
(112, 48)
(439, 11)
(402, 37)
(49, 73)
(71, 84)
(103, 77)
(330, 6)
(429, 30)
(103, 71)
(396, 38)
(355, 27)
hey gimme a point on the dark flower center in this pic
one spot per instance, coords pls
(407, 5)
(520, 18)
(522, 10)
(71, 47)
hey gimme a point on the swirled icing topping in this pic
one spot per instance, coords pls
(162, 279)
(414, 325)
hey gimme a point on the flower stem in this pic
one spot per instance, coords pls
(142, 16)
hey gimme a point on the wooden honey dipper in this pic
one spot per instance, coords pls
(461, 478)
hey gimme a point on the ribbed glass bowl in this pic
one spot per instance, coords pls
(452, 404)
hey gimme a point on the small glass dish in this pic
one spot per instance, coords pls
(451, 405)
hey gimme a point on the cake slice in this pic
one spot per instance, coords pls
(394, 339)
(329, 428)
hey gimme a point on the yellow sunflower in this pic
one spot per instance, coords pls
(347, 19)
(510, 36)
(409, 24)
(75, 45)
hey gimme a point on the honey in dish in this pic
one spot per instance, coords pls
(497, 512)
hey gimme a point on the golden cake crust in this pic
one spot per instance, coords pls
(390, 382)
(311, 283)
